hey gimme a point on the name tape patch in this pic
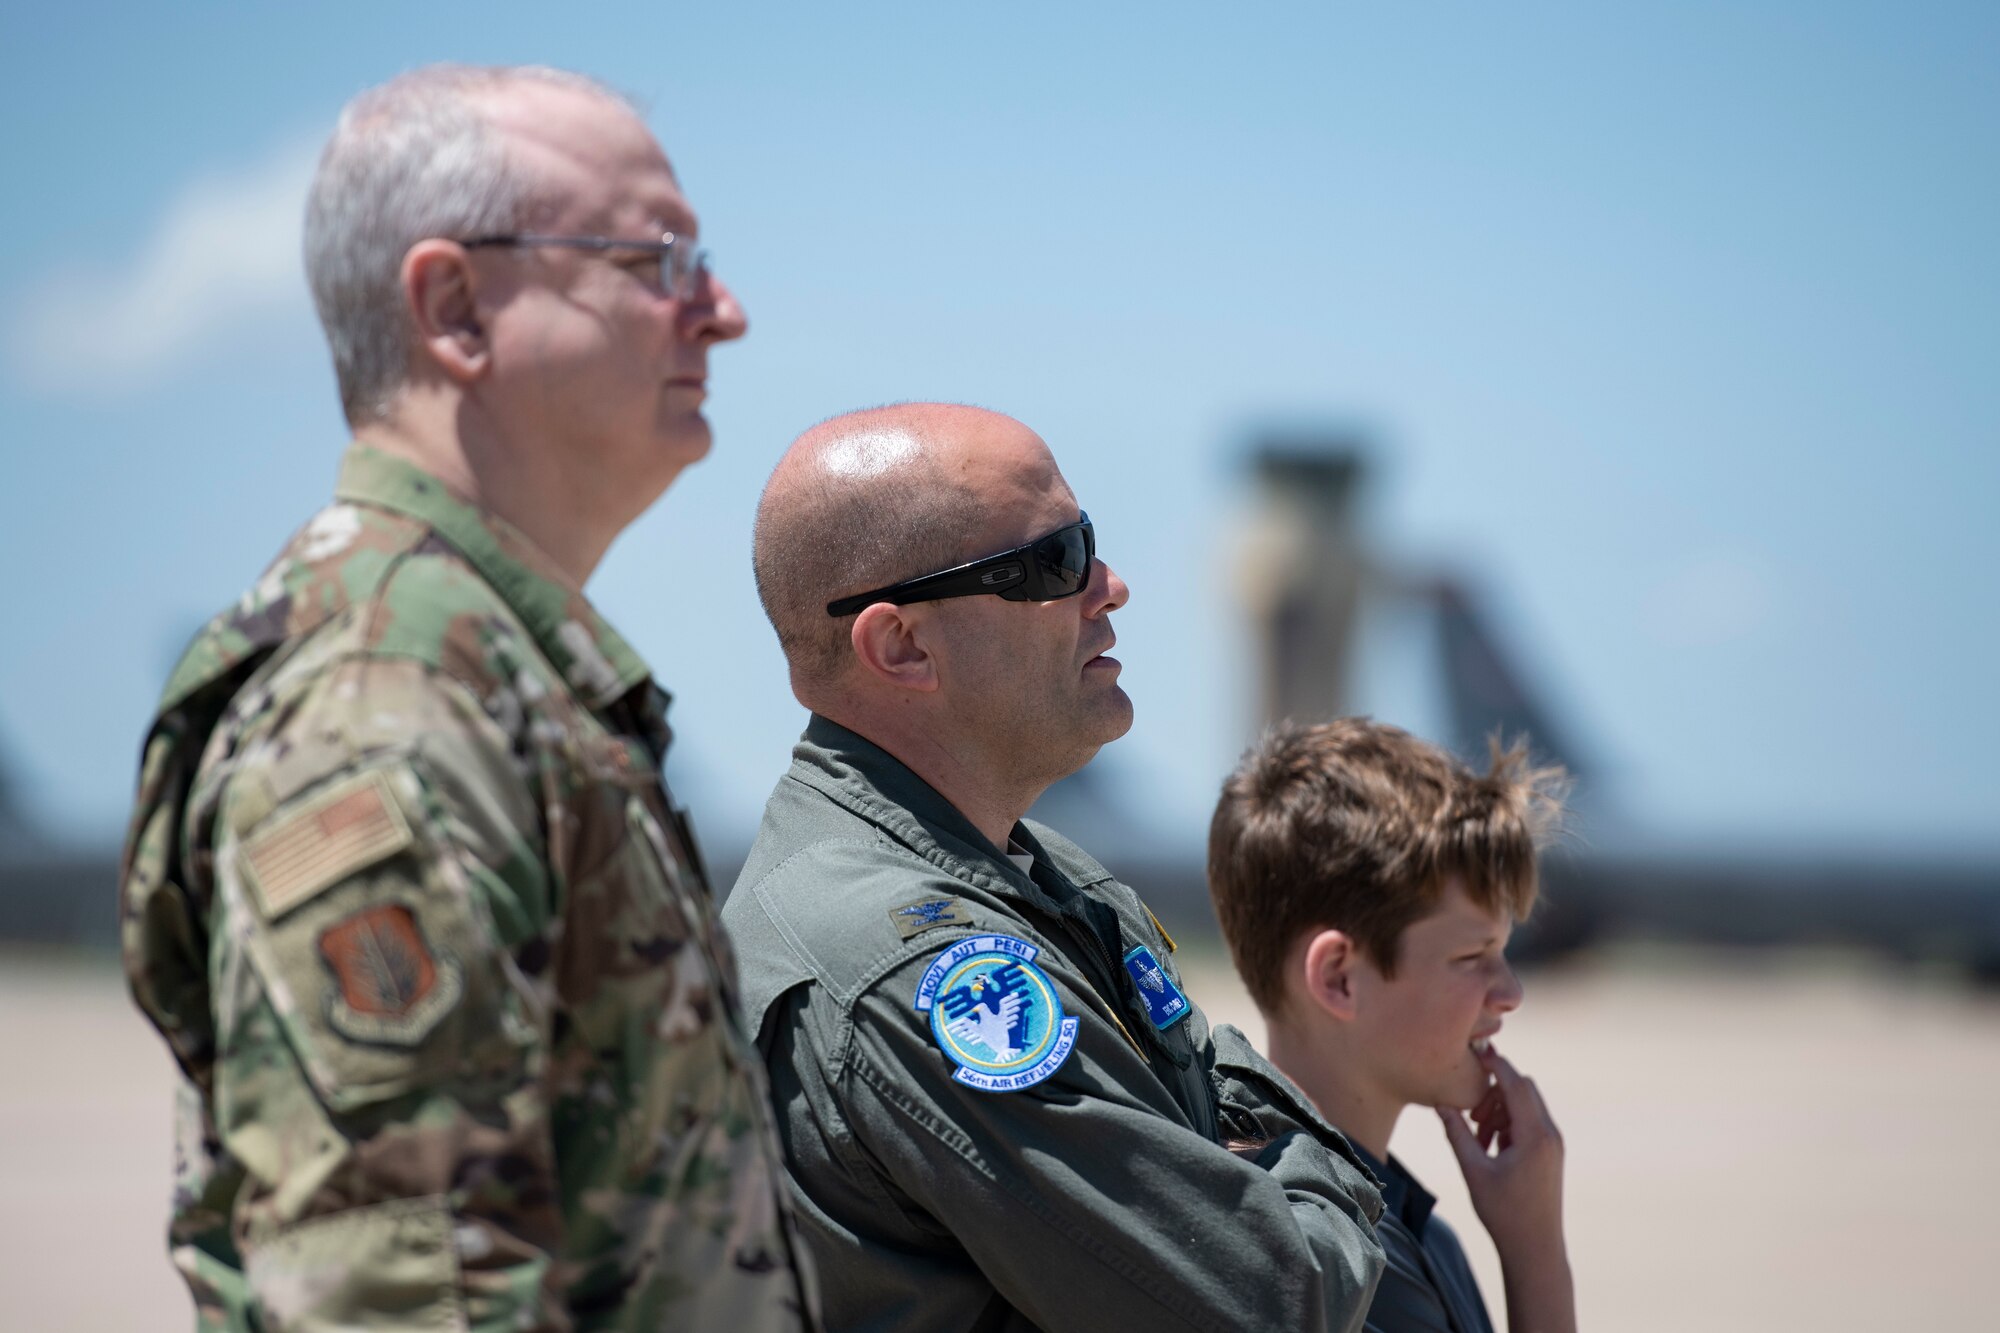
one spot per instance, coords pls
(1166, 1005)
(995, 1014)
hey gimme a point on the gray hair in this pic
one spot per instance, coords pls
(411, 159)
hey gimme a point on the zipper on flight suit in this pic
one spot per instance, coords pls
(1183, 1076)
(1114, 981)
(1082, 933)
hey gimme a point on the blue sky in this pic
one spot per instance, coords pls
(1676, 325)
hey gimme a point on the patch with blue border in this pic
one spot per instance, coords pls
(995, 1014)
(1166, 1005)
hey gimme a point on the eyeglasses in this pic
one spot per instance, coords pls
(1057, 565)
(682, 267)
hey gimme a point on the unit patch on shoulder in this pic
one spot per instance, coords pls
(1165, 1004)
(995, 1014)
(392, 988)
(928, 913)
(350, 827)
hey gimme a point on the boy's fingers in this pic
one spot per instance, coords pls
(1502, 1069)
(1517, 1089)
(1463, 1145)
(1486, 1126)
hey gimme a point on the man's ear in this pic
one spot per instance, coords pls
(438, 292)
(886, 641)
(1329, 963)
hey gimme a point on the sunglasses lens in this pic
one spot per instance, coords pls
(1064, 558)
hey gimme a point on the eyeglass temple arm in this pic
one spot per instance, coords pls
(666, 244)
(966, 580)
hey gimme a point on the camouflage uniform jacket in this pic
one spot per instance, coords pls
(1084, 1188)
(437, 958)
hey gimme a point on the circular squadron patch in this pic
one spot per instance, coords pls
(995, 1014)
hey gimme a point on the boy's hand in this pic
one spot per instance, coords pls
(1517, 1188)
(1517, 1192)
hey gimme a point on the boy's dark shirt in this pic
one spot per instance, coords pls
(1428, 1286)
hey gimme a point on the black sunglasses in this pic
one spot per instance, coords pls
(1057, 565)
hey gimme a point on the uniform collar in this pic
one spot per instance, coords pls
(865, 777)
(593, 657)
(855, 772)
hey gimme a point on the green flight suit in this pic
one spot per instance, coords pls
(437, 957)
(1099, 1196)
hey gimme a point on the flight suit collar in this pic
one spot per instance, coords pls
(861, 776)
(593, 657)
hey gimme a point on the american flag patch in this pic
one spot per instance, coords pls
(352, 826)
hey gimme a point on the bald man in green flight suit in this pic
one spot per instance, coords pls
(1000, 1110)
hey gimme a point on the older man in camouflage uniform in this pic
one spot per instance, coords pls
(404, 891)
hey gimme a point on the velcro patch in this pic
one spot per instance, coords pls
(1165, 1004)
(352, 826)
(393, 987)
(928, 914)
(995, 1014)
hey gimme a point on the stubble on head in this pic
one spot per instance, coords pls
(860, 501)
(872, 498)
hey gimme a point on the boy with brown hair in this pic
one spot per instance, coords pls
(1366, 882)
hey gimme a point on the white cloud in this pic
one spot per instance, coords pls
(223, 256)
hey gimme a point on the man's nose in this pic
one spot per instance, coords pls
(713, 314)
(1505, 997)
(1108, 593)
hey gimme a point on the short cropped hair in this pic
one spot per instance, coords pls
(409, 160)
(1356, 826)
(826, 536)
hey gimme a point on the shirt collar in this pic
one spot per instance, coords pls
(1403, 1195)
(592, 656)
